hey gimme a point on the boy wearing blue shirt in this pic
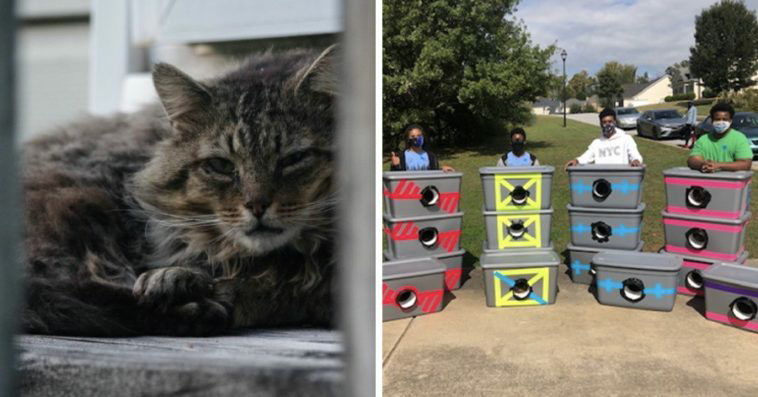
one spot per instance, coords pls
(518, 156)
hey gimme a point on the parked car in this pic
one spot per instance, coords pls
(627, 117)
(744, 122)
(661, 123)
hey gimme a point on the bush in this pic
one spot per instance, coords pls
(745, 100)
(589, 108)
(680, 97)
(709, 94)
(575, 108)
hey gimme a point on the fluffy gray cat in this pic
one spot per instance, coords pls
(211, 212)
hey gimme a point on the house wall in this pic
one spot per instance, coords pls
(655, 93)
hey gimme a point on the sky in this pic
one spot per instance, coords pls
(650, 34)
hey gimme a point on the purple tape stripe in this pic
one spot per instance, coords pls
(709, 284)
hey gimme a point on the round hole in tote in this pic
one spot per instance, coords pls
(633, 289)
(428, 236)
(743, 309)
(697, 197)
(517, 229)
(694, 280)
(601, 189)
(430, 196)
(601, 232)
(592, 270)
(406, 299)
(697, 238)
(519, 195)
(521, 289)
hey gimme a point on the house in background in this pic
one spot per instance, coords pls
(545, 106)
(647, 93)
(688, 83)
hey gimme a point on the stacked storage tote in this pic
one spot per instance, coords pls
(422, 223)
(605, 214)
(704, 221)
(519, 265)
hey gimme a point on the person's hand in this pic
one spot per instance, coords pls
(636, 163)
(709, 167)
(570, 163)
(447, 168)
(395, 159)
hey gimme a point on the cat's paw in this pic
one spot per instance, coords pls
(200, 318)
(168, 287)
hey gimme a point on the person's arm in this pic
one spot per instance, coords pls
(500, 162)
(635, 158)
(395, 163)
(743, 159)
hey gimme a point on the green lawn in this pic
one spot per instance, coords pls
(555, 145)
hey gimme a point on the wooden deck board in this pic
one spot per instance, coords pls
(263, 362)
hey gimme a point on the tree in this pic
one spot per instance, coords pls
(610, 79)
(644, 79)
(725, 54)
(458, 67)
(582, 85)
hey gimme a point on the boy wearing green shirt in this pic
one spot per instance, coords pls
(724, 149)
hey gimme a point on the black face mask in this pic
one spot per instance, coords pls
(517, 147)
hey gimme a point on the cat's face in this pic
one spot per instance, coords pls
(250, 164)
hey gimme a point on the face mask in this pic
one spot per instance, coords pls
(416, 142)
(609, 129)
(517, 147)
(721, 126)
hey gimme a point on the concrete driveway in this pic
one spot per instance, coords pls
(591, 118)
(575, 347)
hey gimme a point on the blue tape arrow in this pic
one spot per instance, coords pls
(625, 187)
(609, 284)
(581, 188)
(659, 291)
(622, 230)
(580, 228)
(579, 266)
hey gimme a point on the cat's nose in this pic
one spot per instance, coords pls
(258, 206)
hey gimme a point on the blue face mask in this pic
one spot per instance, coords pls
(416, 142)
(721, 126)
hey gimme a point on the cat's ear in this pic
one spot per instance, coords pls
(321, 75)
(185, 100)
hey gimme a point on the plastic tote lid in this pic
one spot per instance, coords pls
(616, 211)
(403, 268)
(507, 259)
(544, 169)
(436, 174)
(731, 273)
(638, 260)
(723, 175)
(744, 218)
(615, 168)
(576, 248)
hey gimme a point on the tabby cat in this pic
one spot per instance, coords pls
(210, 211)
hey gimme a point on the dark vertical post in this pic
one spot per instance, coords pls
(357, 177)
(9, 206)
(563, 57)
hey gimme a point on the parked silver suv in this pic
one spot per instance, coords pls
(627, 117)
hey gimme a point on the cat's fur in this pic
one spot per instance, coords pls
(213, 211)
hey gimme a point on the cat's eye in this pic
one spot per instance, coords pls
(220, 165)
(293, 158)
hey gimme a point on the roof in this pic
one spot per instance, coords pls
(632, 90)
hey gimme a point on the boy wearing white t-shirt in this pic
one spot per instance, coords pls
(613, 147)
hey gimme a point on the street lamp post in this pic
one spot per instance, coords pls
(563, 57)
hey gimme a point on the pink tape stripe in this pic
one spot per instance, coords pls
(695, 265)
(701, 212)
(731, 321)
(705, 254)
(706, 183)
(704, 225)
(687, 291)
